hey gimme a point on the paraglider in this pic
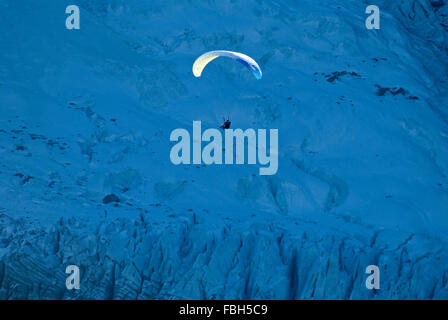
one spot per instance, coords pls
(207, 57)
(226, 124)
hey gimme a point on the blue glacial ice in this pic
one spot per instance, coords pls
(363, 150)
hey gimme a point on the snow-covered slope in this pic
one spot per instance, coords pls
(363, 156)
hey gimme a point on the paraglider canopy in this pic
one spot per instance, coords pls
(207, 57)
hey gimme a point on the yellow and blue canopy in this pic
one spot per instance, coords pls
(207, 57)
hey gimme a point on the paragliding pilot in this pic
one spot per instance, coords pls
(226, 124)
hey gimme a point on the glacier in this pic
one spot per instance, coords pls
(86, 177)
